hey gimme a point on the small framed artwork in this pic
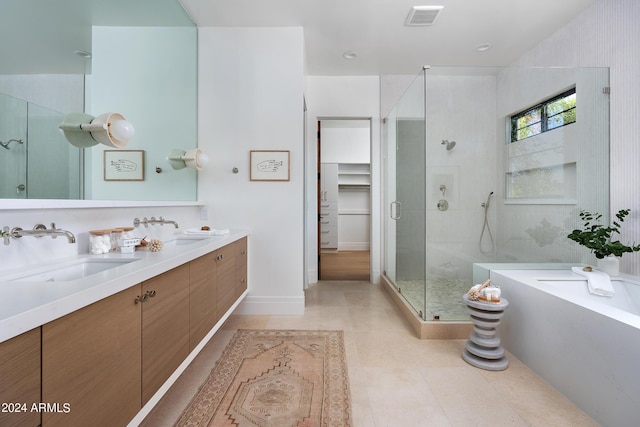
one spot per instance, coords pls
(124, 165)
(269, 165)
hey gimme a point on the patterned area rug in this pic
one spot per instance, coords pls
(275, 378)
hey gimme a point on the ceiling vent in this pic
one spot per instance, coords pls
(422, 15)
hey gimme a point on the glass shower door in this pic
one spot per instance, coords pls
(406, 196)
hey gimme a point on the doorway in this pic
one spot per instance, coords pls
(344, 199)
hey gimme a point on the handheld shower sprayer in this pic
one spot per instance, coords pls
(485, 205)
(485, 227)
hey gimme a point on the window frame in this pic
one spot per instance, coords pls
(542, 107)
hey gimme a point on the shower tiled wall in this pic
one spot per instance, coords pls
(608, 35)
(460, 108)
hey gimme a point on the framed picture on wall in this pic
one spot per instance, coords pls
(269, 165)
(124, 165)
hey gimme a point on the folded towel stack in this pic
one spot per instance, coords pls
(485, 293)
(599, 283)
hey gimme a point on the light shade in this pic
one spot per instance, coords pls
(194, 158)
(84, 130)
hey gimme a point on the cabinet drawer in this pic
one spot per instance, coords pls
(329, 242)
(329, 218)
(327, 206)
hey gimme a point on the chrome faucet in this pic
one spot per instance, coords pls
(40, 230)
(153, 220)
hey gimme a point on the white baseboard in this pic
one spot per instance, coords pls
(257, 305)
(353, 246)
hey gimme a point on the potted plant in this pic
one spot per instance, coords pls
(599, 239)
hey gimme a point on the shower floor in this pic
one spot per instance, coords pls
(443, 297)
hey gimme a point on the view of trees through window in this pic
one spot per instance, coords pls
(551, 114)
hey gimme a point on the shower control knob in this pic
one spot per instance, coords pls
(443, 205)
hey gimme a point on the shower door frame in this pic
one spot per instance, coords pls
(398, 236)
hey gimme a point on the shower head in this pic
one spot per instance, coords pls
(448, 144)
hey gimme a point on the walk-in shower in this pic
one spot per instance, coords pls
(498, 199)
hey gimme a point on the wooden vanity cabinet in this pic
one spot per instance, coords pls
(165, 327)
(20, 380)
(91, 361)
(240, 279)
(100, 364)
(202, 298)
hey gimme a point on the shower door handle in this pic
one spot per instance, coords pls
(398, 206)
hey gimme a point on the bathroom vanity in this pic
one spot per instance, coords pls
(111, 357)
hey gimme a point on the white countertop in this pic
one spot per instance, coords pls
(27, 305)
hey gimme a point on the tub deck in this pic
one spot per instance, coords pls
(585, 345)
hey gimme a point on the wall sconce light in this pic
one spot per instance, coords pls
(181, 159)
(85, 130)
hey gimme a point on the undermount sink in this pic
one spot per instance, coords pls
(72, 270)
(181, 241)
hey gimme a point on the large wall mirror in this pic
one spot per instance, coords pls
(137, 58)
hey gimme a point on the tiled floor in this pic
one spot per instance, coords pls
(396, 379)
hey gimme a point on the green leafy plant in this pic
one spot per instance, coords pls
(598, 238)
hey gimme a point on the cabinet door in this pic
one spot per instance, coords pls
(91, 361)
(240, 249)
(20, 384)
(225, 265)
(202, 298)
(165, 327)
(329, 184)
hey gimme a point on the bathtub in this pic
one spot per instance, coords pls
(586, 346)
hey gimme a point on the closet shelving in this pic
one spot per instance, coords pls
(354, 176)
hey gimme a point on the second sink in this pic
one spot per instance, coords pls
(72, 270)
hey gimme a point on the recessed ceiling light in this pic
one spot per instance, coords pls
(82, 53)
(350, 54)
(483, 47)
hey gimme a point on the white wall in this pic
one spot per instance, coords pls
(608, 35)
(251, 88)
(343, 97)
(345, 144)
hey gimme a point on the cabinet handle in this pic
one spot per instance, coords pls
(325, 222)
(243, 252)
(243, 281)
(325, 232)
(143, 298)
(325, 243)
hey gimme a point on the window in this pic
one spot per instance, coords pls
(551, 114)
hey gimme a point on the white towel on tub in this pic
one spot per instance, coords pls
(599, 283)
